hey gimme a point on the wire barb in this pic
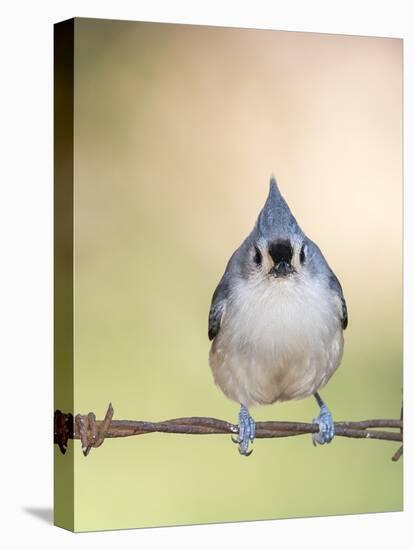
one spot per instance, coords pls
(399, 451)
(92, 433)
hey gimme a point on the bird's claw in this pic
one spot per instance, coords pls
(325, 423)
(245, 453)
(246, 431)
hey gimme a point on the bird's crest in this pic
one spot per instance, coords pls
(275, 219)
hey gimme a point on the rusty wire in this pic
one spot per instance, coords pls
(92, 432)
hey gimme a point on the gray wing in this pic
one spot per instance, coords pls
(336, 286)
(222, 292)
(219, 299)
(318, 264)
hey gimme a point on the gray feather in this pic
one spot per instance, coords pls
(219, 298)
(217, 307)
(318, 265)
(233, 270)
(275, 219)
(336, 286)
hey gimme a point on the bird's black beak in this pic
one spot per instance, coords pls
(282, 269)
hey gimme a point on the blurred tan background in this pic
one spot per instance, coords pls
(177, 131)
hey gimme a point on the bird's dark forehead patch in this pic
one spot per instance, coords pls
(280, 250)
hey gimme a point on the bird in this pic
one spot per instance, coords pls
(276, 321)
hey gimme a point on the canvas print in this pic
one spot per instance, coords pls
(228, 274)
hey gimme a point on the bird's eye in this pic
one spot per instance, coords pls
(257, 256)
(303, 253)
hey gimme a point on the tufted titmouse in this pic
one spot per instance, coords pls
(276, 320)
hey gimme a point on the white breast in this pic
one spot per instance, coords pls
(278, 340)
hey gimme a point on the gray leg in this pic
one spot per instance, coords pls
(325, 423)
(246, 431)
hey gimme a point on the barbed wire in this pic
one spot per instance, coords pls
(92, 432)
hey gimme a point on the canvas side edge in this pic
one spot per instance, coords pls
(63, 263)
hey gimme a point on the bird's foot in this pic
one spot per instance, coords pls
(325, 426)
(246, 431)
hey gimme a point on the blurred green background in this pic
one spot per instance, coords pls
(177, 130)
